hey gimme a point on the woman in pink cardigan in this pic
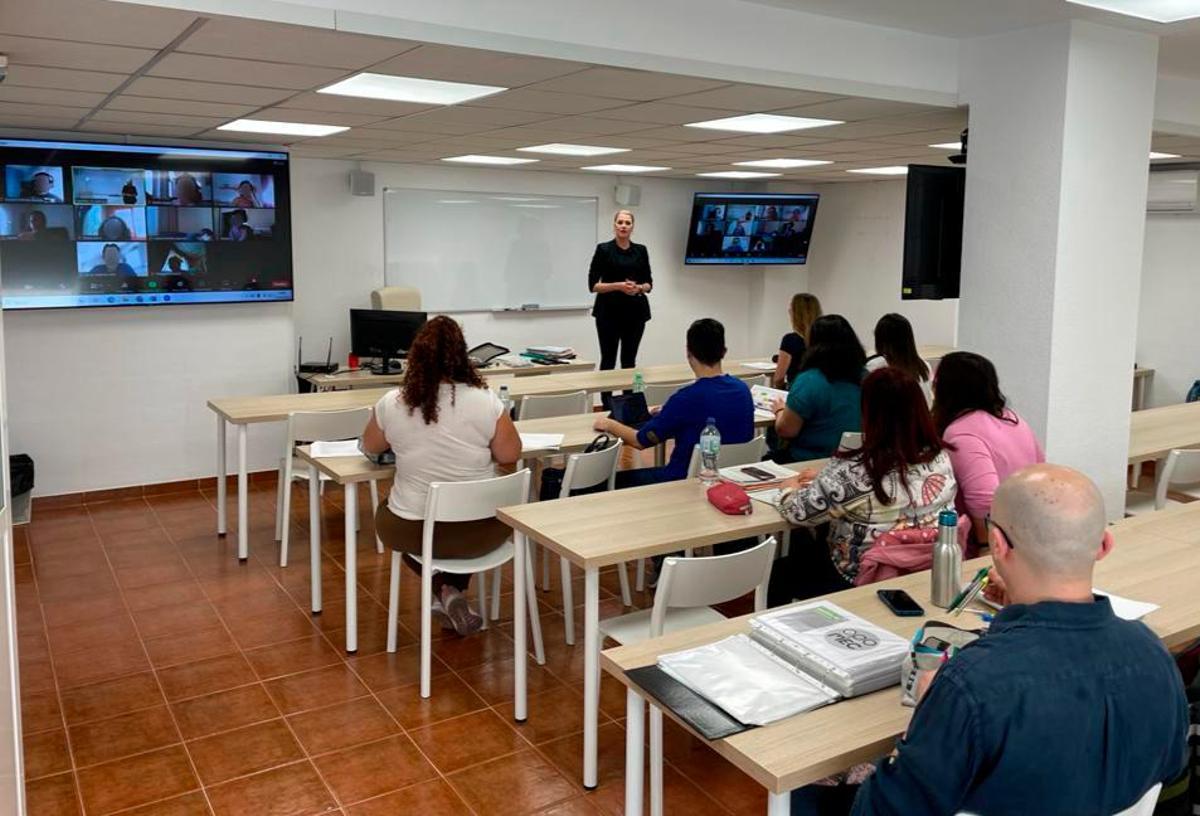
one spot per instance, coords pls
(987, 440)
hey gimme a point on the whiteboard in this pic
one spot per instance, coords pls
(470, 251)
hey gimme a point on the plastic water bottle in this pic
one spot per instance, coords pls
(505, 399)
(639, 382)
(947, 561)
(710, 449)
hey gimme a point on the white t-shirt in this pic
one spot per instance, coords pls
(453, 449)
(877, 362)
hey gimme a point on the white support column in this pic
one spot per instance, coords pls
(1060, 119)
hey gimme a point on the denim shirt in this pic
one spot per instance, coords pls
(1062, 709)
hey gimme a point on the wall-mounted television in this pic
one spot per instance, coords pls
(87, 224)
(750, 228)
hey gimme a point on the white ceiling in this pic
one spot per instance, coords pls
(110, 68)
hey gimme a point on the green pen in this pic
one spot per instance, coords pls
(979, 576)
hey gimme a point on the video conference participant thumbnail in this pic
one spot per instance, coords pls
(120, 260)
(244, 191)
(183, 188)
(192, 223)
(246, 225)
(107, 223)
(36, 222)
(107, 185)
(43, 184)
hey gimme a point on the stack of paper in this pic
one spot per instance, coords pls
(764, 397)
(839, 649)
(541, 441)
(749, 475)
(551, 352)
(328, 450)
(512, 361)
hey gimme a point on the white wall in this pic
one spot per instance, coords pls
(1167, 338)
(857, 257)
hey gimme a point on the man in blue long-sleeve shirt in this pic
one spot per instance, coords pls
(1062, 708)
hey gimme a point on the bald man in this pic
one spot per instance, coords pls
(1062, 708)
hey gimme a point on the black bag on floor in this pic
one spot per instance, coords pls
(552, 478)
(1182, 796)
(20, 473)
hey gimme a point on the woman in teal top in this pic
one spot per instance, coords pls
(824, 400)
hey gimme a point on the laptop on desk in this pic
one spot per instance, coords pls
(630, 409)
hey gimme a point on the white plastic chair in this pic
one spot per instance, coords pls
(1180, 474)
(311, 426)
(659, 394)
(536, 406)
(742, 453)
(1142, 807)
(586, 470)
(396, 298)
(463, 501)
(687, 588)
(851, 441)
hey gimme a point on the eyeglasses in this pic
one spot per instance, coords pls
(989, 524)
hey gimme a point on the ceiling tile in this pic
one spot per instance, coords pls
(564, 104)
(400, 156)
(283, 113)
(100, 126)
(661, 113)
(135, 119)
(349, 104)
(530, 135)
(185, 107)
(678, 133)
(593, 125)
(22, 50)
(773, 141)
(318, 151)
(93, 22)
(864, 130)
(244, 72)
(15, 120)
(455, 64)
(242, 38)
(374, 137)
(708, 148)
(482, 118)
(339, 141)
(205, 91)
(752, 98)
(921, 137)
(50, 96)
(624, 83)
(32, 76)
(50, 111)
(262, 139)
(416, 124)
(850, 110)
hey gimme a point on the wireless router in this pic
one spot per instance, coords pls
(327, 367)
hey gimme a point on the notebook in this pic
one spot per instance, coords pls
(763, 397)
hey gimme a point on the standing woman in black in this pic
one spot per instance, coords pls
(620, 277)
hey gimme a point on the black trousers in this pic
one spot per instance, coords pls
(807, 571)
(625, 335)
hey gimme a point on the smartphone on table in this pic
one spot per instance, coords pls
(900, 602)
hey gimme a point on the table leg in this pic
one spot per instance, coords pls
(351, 491)
(591, 674)
(243, 498)
(779, 804)
(314, 535)
(635, 719)
(520, 659)
(221, 474)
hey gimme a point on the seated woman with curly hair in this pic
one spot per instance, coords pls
(444, 425)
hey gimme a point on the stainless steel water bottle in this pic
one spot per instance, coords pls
(947, 561)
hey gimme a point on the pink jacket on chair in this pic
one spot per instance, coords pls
(900, 552)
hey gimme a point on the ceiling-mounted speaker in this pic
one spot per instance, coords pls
(628, 195)
(362, 183)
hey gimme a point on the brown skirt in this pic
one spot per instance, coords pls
(457, 539)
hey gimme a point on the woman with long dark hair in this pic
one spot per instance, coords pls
(824, 399)
(900, 478)
(990, 441)
(444, 425)
(896, 347)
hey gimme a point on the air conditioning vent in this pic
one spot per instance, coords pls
(1173, 191)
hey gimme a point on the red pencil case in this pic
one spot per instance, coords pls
(730, 499)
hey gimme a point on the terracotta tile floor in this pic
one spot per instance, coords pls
(159, 676)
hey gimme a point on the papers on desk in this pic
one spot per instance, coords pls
(1125, 608)
(512, 361)
(738, 475)
(763, 397)
(760, 366)
(541, 441)
(328, 450)
(768, 495)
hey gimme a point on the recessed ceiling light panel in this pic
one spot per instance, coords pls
(472, 158)
(896, 170)
(1159, 11)
(1155, 155)
(763, 123)
(558, 149)
(284, 128)
(625, 168)
(948, 146)
(738, 174)
(409, 89)
(783, 164)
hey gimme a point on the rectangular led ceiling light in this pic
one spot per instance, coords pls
(763, 123)
(783, 164)
(625, 168)
(476, 159)
(409, 89)
(1159, 11)
(895, 170)
(737, 174)
(573, 149)
(1154, 155)
(285, 128)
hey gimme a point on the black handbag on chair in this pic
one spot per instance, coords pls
(552, 478)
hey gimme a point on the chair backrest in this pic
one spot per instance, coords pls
(851, 441)
(1182, 468)
(473, 500)
(326, 426)
(1142, 807)
(741, 453)
(397, 298)
(704, 581)
(590, 469)
(536, 406)
(762, 379)
(659, 394)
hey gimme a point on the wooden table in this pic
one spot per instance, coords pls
(1156, 559)
(1155, 432)
(603, 529)
(246, 411)
(365, 379)
(351, 471)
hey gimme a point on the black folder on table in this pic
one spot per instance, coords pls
(706, 719)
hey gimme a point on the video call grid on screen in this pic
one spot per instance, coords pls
(750, 228)
(95, 224)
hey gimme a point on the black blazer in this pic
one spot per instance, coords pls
(611, 264)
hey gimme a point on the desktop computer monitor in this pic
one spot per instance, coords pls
(383, 334)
